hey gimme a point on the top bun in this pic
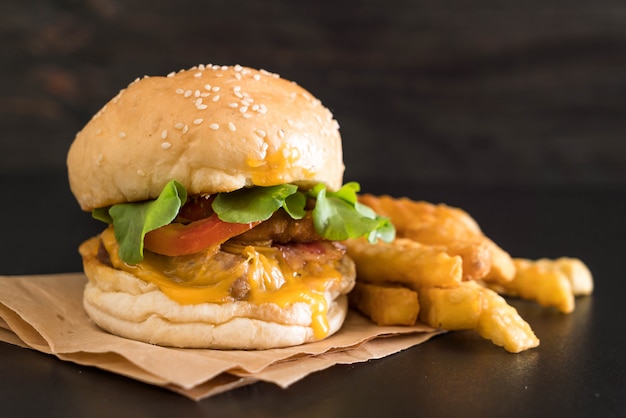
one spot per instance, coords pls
(211, 128)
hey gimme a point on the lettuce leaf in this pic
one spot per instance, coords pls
(254, 204)
(132, 221)
(339, 216)
(336, 216)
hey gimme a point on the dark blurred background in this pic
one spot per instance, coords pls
(465, 93)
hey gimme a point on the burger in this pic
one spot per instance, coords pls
(221, 188)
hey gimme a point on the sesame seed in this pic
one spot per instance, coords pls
(179, 125)
(261, 133)
(201, 67)
(243, 109)
(269, 73)
(188, 93)
(238, 68)
(262, 109)
(255, 107)
(198, 75)
(281, 133)
(197, 93)
(245, 102)
(185, 129)
(214, 126)
(164, 134)
(198, 121)
(201, 107)
(172, 74)
(238, 76)
(166, 145)
(233, 105)
(238, 94)
(207, 87)
(247, 115)
(198, 101)
(231, 126)
(257, 77)
(216, 88)
(224, 67)
(236, 88)
(216, 98)
(140, 173)
(180, 91)
(205, 94)
(122, 135)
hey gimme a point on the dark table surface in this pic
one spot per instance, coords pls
(578, 370)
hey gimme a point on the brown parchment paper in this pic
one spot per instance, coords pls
(45, 313)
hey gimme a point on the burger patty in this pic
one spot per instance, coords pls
(282, 228)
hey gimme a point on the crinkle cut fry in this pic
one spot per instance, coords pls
(551, 283)
(471, 306)
(404, 262)
(440, 224)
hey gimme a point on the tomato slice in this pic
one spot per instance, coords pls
(178, 239)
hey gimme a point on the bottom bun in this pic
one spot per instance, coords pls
(127, 306)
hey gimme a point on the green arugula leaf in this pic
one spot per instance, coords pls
(255, 203)
(339, 216)
(348, 192)
(294, 205)
(102, 214)
(132, 221)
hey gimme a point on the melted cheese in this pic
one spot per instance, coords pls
(202, 279)
(272, 167)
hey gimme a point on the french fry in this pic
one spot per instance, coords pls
(453, 308)
(471, 306)
(385, 304)
(476, 258)
(502, 266)
(405, 262)
(502, 324)
(425, 222)
(576, 272)
(440, 224)
(551, 283)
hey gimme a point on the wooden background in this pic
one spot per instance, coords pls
(464, 93)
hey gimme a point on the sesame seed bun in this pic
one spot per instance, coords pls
(213, 129)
